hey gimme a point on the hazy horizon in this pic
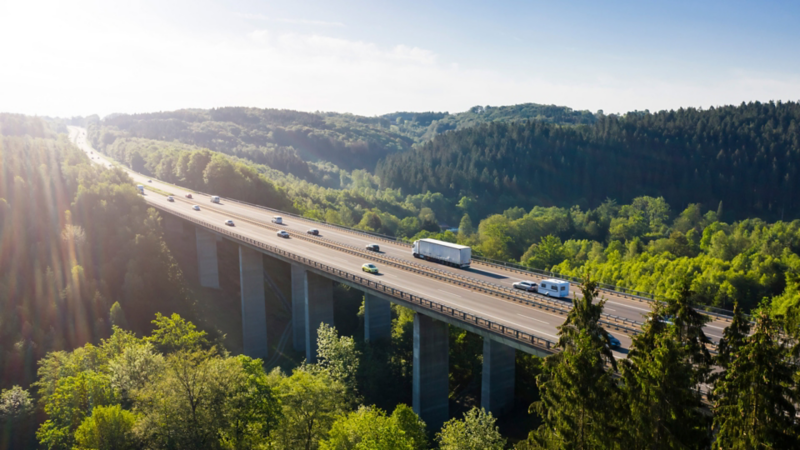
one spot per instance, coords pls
(91, 57)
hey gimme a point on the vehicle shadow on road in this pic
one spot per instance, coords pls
(485, 273)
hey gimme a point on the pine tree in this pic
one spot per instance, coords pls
(659, 390)
(578, 392)
(755, 405)
(689, 323)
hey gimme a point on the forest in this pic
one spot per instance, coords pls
(101, 307)
(745, 156)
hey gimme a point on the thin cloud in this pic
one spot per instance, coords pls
(321, 23)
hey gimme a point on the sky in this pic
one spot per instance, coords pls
(81, 57)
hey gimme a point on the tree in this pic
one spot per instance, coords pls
(15, 404)
(756, 394)
(366, 428)
(137, 366)
(339, 357)
(108, 428)
(476, 431)
(580, 401)
(664, 408)
(311, 401)
(174, 333)
(689, 325)
(73, 400)
(465, 228)
(546, 254)
(117, 316)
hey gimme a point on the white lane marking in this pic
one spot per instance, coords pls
(533, 319)
(449, 293)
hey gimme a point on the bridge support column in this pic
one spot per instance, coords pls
(497, 384)
(431, 371)
(298, 308)
(377, 318)
(254, 314)
(207, 258)
(318, 309)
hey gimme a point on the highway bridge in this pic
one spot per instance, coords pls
(480, 299)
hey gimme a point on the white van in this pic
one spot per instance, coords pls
(214, 199)
(278, 220)
(554, 288)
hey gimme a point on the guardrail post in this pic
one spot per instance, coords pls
(431, 384)
(497, 383)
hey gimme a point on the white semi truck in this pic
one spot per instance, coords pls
(443, 252)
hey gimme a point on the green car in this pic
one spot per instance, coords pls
(371, 268)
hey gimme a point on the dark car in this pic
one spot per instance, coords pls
(188, 195)
(313, 231)
(373, 247)
(614, 341)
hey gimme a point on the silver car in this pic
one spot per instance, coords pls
(528, 286)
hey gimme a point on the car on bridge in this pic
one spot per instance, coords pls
(170, 199)
(188, 195)
(196, 208)
(278, 220)
(528, 286)
(149, 181)
(283, 234)
(373, 247)
(615, 344)
(313, 231)
(369, 268)
(229, 222)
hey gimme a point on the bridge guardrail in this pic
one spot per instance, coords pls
(476, 320)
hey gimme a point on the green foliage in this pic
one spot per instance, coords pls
(312, 401)
(755, 395)
(339, 357)
(15, 404)
(476, 431)
(686, 156)
(117, 316)
(72, 401)
(370, 428)
(108, 428)
(663, 407)
(577, 389)
(176, 333)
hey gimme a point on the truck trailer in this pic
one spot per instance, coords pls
(443, 252)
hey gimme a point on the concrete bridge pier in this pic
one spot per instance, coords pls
(207, 258)
(298, 308)
(254, 314)
(318, 309)
(377, 318)
(431, 383)
(497, 383)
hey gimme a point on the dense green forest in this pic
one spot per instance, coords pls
(423, 126)
(745, 156)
